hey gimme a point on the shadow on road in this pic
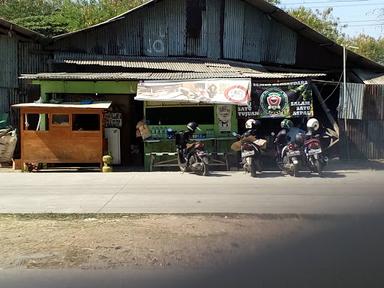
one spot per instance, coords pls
(325, 174)
(356, 165)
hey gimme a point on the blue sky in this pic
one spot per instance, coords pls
(361, 16)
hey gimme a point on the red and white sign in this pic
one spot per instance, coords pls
(214, 91)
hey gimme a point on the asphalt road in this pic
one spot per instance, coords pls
(349, 253)
(339, 192)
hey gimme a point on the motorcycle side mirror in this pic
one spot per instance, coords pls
(273, 134)
(234, 134)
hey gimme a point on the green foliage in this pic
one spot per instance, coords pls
(325, 23)
(321, 21)
(49, 25)
(369, 47)
(53, 17)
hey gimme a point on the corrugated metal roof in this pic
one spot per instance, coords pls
(163, 76)
(159, 63)
(5, 24)
(370, 78)
(96, 105)
(274, 12)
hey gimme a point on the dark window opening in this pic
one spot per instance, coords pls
(195, 10)
(180, 115)
(60, 119)
(85, 122)
(36, 122)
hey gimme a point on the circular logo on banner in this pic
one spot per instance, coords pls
(237, 94)
(273, 101)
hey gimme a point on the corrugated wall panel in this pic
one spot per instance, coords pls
(374, 102)
(155, 33)
(4, 100)
(365, 139)
(253, 33)
(233, 29)
(354, 102)
(213, 28)
(176, 28)
(8, 62)
(287, 45)
(33, 59)
(159, 29)
(365, 136)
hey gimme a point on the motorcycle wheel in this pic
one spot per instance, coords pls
(319, 168)
(204, 166)
(182, 166)
(253, 167)
(295, 171)
(285, 166)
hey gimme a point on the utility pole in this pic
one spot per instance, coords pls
(345, 100)
(345, 95)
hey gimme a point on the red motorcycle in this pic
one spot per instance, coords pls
(315, 159)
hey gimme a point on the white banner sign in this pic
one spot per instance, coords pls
(220, 91)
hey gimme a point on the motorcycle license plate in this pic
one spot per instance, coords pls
(247, 153)
(202, 153)
(314, 151)
(293, 153)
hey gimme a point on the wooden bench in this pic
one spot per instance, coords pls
(157, 162)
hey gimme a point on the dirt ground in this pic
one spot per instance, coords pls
(116, 241)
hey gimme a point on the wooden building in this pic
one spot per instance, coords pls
(186, 40)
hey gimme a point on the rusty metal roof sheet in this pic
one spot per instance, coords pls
(370, 78)
(12, 27)
(163, 76)
(158, 63)
(274, 12)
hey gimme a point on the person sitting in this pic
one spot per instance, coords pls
(253, 127)
(287, 134)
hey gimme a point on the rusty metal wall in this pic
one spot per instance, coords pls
(233, 29)
(374, 102)
(4, 100)
(266, 40)
(159, 29)
(365, 138)
(17, 57)
(213, 19)
(352, 108)
(8, 62)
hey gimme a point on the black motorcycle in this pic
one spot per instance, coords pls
(191, 157)
(314, 156)
(250, 148)
(289, 157)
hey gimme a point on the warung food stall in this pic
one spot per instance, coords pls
(170, 105)
(62, 133)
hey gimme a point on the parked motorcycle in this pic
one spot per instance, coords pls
(290, 157)
(191, 157)
(315, 158)
(250, 148)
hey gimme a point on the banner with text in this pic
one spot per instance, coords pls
(280, 100)
(215, 91)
